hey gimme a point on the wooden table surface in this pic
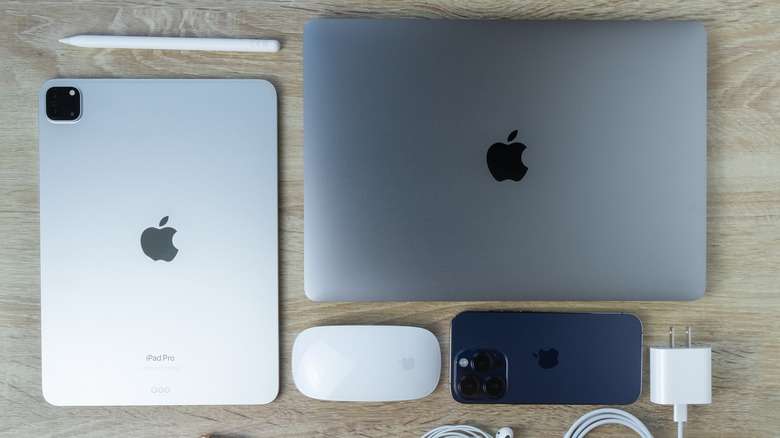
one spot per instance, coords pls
(737, 317)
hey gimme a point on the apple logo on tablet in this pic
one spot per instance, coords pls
(157, 243)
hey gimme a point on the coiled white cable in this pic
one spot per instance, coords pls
(596, 418)
(456, 432)
(579, 429)
(466, 432)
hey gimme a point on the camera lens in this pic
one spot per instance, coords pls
(494, 386)
(63, 103)
(468, 386)
(482, 362)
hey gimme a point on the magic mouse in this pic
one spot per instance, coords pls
(366, 363)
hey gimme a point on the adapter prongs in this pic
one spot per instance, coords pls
(688, 331)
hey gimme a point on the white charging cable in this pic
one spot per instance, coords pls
(579, 429)
(599, 417)
(461, 431)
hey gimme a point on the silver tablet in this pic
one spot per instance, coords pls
(159, 253)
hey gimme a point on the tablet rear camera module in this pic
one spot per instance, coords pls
(63, 104)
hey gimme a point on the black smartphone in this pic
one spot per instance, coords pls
(546, 358)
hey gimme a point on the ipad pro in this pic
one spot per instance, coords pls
(159, 253)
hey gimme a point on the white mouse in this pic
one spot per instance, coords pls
(366, 363)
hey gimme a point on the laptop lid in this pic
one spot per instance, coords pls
(159, 277)
(418, 133)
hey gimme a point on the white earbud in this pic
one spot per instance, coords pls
(505, 432)
(466, 432)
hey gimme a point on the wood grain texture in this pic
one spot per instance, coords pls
(738, 316)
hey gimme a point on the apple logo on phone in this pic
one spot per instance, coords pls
(157, 243)
(547, 358)
(407, 363)
(505, 160)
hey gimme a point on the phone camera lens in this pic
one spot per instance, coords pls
(468, 386)
(482, 362)
(494, 386)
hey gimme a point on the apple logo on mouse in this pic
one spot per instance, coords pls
(407, 363)
(505, 160)
(547, 358)
(157, 243)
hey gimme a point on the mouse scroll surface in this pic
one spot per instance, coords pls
(366, 363)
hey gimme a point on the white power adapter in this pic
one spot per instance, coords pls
(681, 377)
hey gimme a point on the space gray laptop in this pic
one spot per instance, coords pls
(504, 160)
(159, 242)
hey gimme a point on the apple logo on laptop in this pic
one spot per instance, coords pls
(547, 358)
(505, 160)
(157, 243)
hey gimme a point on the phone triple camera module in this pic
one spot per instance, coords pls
(63, 104)
(480, 374)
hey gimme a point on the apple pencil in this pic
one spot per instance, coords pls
(175, 43)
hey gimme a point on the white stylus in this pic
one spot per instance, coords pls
(175, 43)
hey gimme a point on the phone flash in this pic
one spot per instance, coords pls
(463, 362)
(72, 92)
